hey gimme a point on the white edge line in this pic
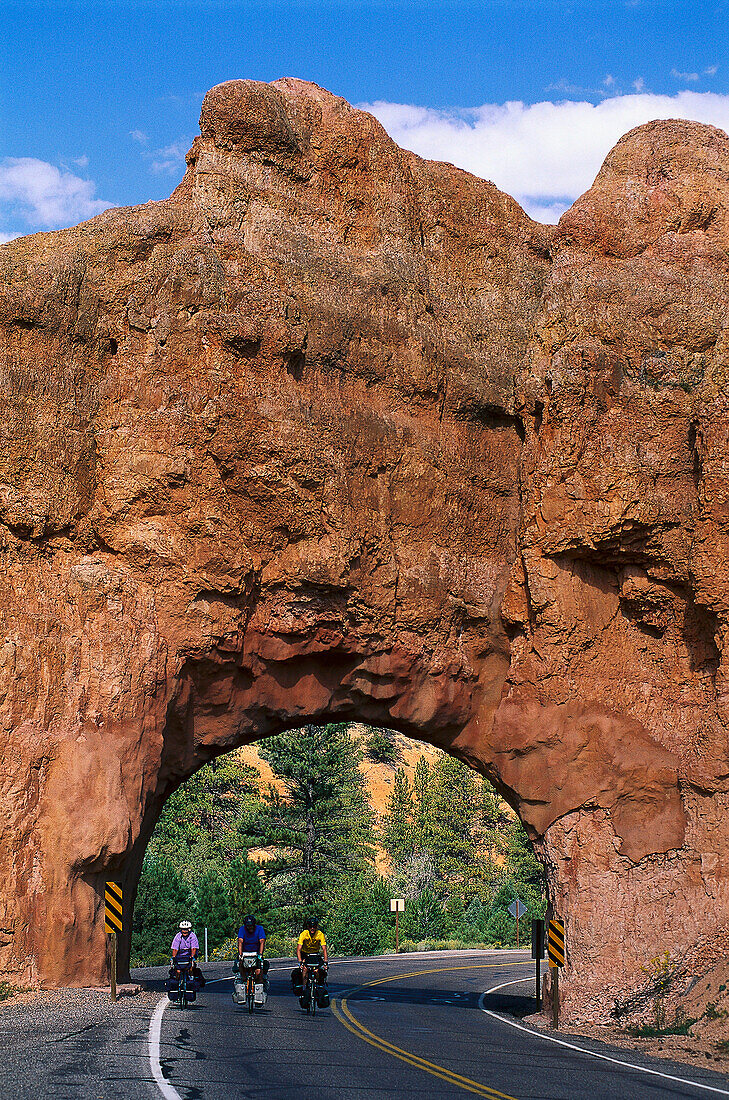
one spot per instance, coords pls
(582, 1050)
(155, 1030)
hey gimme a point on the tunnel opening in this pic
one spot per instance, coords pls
(336, 820)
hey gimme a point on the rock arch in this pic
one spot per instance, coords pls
(338, 432)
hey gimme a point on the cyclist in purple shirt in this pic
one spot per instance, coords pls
(185, 946)
(251, 937)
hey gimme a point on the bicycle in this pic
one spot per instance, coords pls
(247, 968)
(184, 970)
(315, 977)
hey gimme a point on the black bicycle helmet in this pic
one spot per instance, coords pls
(313, 922)
(249, 923)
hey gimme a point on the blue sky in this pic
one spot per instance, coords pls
(100, 100)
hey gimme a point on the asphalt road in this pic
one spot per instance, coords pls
(399, 1027)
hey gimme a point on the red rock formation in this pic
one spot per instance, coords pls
(338, 432)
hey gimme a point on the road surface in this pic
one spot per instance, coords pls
(400, 1027)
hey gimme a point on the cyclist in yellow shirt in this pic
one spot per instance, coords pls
(311, 942)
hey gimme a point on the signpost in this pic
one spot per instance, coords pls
(555, 953)
(397, 906)
(517, 909)
(538, 954)
(112, 925)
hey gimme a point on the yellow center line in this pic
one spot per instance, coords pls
(348, 1020)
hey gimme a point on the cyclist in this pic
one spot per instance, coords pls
(185, 946)
(251, 937)
(311, 942)
(185, 950)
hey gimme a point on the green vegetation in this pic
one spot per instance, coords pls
(380, 746)
(7, 990)
(455, 853)
(646, 1031)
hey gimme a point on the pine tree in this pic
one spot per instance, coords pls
(422, 821)
(213, 910)
(163, 900)
(474, 922)
(361, 922)
(322, 825)
(453, 811)
(381, 746)
(397, 823)
(247, 893)
(205, 823)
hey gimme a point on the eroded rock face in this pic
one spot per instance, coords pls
(335, 432)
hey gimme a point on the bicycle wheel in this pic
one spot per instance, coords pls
(182, 993)
(314, 994)
(250, 994)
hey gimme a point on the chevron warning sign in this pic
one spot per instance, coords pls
(555, 943)
(113, 907)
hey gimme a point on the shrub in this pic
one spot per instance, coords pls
(279, 945)
(380, 747)
(646, 1031)
(228, 949)
(152, 958)
(361, 923)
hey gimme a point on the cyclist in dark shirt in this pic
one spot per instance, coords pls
(251, 937)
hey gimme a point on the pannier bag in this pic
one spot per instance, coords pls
(297, 981)
(323, 997)
(239, 991)
(172, 985)
(261, 996)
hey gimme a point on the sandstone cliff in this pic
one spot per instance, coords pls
(335, 432)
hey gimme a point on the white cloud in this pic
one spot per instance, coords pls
(711, 71)
(544, 154)
(138, 135)
(5, 237)
(684, 76)
(639, 84)
(43, 196)
(171, 158)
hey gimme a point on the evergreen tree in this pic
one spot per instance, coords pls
(322, 825)
(524, 867)
(247, 893)
(422, 821)
(361, 922)
(212, 910)
(453, 810)
(474, 922)
(500, 928)
(397, 824)
(163, 900)
(205, 823)
(424, 917)
(381, 747)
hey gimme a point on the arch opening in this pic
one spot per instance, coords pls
(337, 819)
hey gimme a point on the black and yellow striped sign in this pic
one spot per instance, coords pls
(555, 943)
(113, 907)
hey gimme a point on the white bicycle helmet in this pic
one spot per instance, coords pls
(185, 926)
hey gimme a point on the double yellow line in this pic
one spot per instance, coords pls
(345, 1017)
